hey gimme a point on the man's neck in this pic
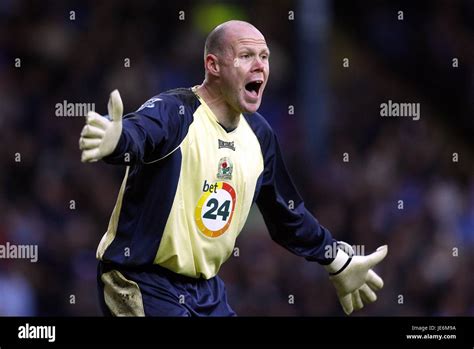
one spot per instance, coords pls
(226, 116)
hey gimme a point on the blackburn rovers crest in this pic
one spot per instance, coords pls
(225, 169)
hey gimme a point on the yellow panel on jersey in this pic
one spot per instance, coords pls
(109, 236)
(216, 186)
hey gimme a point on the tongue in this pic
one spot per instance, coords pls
(253, 93)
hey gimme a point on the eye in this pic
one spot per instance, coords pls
(264, 57)
(245, 55)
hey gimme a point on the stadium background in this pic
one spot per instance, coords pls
(336, 111)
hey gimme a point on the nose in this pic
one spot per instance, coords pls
(258, 65)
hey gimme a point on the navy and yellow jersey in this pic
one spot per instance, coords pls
(189, 185)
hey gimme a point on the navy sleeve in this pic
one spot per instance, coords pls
(289, 222)
(152, 132)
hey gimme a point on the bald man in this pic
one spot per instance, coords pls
(196, 160)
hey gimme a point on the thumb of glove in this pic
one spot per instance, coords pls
(376, 257)
(115, 106)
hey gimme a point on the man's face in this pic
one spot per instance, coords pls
(244, 70)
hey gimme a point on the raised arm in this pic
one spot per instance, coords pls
(152, 132)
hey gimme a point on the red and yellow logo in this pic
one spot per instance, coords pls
(215, 208)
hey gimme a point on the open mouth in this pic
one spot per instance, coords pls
(253, 87)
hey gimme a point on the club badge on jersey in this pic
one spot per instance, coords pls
(225, 169)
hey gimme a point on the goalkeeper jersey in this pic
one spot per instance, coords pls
(189, 185)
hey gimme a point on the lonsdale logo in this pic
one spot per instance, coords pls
(225, 144)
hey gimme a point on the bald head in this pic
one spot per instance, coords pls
(236, 67)
(220, 37)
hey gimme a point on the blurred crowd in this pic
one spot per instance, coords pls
(49, 198)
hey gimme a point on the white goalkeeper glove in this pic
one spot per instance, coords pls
(354, 279)
(100, 136)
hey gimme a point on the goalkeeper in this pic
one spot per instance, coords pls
(196, 160)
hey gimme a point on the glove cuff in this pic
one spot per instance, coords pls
(339, 263)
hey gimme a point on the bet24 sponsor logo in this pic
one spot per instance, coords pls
(215, 208)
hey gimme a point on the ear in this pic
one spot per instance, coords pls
(211, 64)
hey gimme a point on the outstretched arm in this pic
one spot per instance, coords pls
(292, 226)
(147, 135)
(289, 223)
